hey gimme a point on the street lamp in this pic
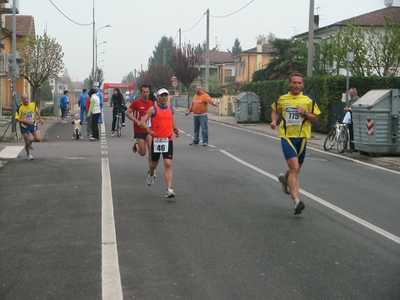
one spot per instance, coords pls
(95, 52)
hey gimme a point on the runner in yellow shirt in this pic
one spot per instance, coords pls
(298, 111)
(25, 115)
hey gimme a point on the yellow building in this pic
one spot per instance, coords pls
(25, 25)
(249, 61)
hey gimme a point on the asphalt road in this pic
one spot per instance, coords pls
(79, 222)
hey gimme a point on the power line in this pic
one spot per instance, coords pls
(80, 24)
(195, 24)
(233, 12)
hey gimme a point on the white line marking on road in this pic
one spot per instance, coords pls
(110, 274)
(315, 149)
(323, 202)
(10, 152)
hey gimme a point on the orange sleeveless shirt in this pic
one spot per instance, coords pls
(161, 121)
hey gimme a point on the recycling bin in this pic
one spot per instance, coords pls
(376, 122)
(247, 108)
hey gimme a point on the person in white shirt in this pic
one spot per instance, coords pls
(94, 112)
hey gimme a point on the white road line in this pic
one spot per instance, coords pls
(315, 149)
(110, 274)
(323, 202)
(10, 152)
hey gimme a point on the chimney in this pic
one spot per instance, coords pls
(259, 55)
(316, 22)
(259, 45)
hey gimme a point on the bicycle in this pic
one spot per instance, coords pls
(339, 135)
(119, 124)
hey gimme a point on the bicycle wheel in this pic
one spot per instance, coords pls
(342, 141)
(330, 140)
(119, 125)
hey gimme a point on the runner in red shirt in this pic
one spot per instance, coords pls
(136, 112)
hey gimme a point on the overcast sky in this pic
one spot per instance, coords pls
(137, 26)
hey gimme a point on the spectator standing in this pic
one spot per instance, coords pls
(353, 98)
(163, 126)
(297, 111)
(82, 104)
(100, 95)
(94, 112)
(199, 108)
(25, 115)
(88, 118)
(64, 101)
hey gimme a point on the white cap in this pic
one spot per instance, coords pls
(162, 91)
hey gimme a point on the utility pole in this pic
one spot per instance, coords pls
(207, 52)
(94, 42)
(310, 58)
(14, 71)
(180, 34)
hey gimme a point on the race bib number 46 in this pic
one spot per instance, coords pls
(292, 116)
(160, 145)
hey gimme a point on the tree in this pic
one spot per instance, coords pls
(47, 94)
(163, 52)
(201, 48)
(42, 60)
(236, 48)
(376, 51)
(159, 75)
(128, 78)
(289, 56)
(185, 63)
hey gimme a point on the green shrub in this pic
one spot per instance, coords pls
(324, 89)
(47, 111)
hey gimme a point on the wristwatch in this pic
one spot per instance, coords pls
(305, 113)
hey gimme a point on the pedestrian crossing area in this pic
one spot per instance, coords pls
(10, 152)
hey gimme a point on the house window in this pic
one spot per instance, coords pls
(60, 87)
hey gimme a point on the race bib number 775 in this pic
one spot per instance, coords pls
(292, 116)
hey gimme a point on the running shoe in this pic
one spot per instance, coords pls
(112, 133)
(29, 157)
(298, 207)
(30, 146)
(123, 124)
(282, 179)
(150, 180)
(135, 147)
(170, 193)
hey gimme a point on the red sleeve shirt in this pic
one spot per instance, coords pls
(140, 108)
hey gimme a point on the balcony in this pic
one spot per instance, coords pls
(7, 9)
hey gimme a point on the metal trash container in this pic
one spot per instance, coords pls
(247, 108)
(376, 122)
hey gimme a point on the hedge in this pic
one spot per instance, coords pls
(324, 89)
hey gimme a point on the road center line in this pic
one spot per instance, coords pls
(110, 274)
(323, 202)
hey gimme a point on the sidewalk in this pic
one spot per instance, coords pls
(316, 141)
